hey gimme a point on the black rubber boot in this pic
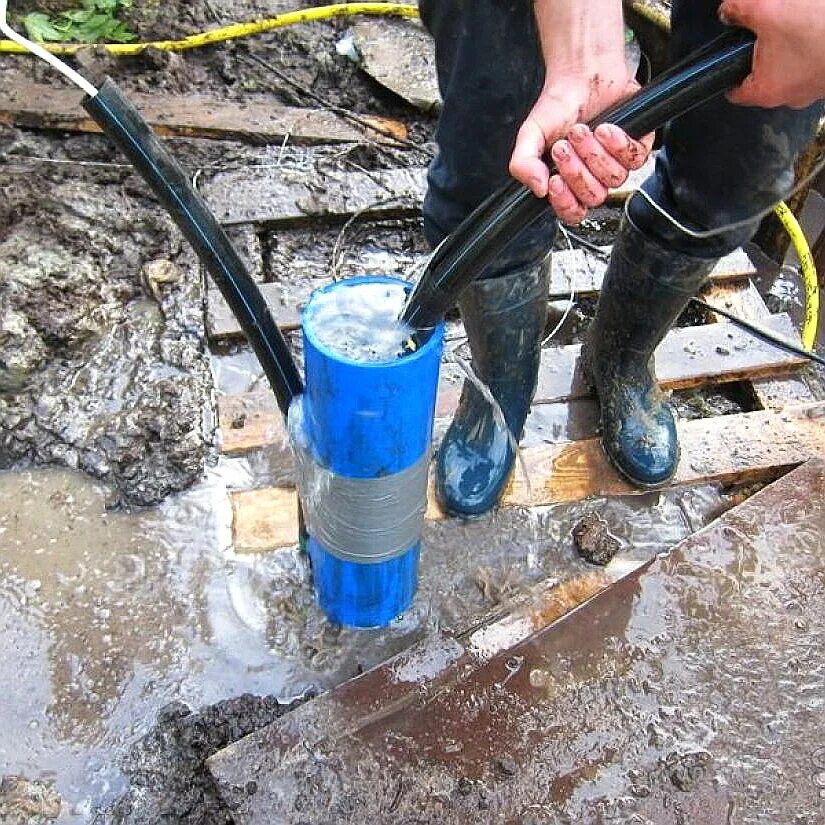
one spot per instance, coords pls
(505, 319)
(645, 289)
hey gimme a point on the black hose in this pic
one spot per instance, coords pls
(479, 239)
(123, 124)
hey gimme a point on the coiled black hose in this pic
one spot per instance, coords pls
(708, 72)
(125, 127)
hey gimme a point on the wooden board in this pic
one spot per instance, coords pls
(729, 449)
(289, 196)
(688, 357)
(579, 269)
(41, 106)
(742, 298)
(292, 196)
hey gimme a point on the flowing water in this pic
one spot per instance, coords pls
(358, 321)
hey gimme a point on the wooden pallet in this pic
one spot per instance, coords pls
(731, 449)
(44, 106)
(785, 429)
(577, 271)
(688, 357)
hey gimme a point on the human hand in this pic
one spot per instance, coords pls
(789, 61)
(588, 162)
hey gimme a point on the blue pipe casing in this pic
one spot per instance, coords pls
(363, 435)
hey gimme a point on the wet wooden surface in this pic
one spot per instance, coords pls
(729, 449)
(41, 106)
(293, 196)
(742, 298)
(578, 270)
(688, 691)
(688, 357)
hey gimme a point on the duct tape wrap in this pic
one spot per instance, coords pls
(361, 520)
(361, 434)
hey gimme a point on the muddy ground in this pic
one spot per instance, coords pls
(113, 613)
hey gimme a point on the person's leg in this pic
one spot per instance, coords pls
(721, 164)
(490, 73)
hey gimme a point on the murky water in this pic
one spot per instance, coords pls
(106, 616)
(360, 321)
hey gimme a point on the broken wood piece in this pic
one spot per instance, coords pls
(742, 298)
(401, 57)
(260, 515)
(248, 420)
(292, 196)
(728, 449)
(516, 722)
(688, 357)
(41, 106)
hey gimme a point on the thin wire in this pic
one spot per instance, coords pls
(40, 52)
(745, 223)
(572, 300)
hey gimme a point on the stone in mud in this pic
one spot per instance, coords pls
(168, 780)
(27, 802)
(102, 360)
(594, 540)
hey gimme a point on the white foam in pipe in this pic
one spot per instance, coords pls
(40, 52)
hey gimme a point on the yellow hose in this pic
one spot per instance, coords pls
(233, 32)
(808, 269)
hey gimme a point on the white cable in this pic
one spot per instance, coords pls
(572, 300)
(700, 234)
(40, 52)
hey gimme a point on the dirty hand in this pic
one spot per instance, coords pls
(583, 46)
(789, 61)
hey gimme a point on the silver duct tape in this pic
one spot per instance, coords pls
(363, 520)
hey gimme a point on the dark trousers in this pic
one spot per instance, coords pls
(720, 163)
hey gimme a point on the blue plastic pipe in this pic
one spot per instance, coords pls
(366, 420)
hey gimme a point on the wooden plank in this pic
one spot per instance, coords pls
(293, 196)
(584, 271)
(251, 421)
(728, 449)
(279, 196)
(578, 268)
(743, 299)
(688, 357)
(288, 294)
(41, 106)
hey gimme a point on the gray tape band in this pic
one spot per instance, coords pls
(364, 520)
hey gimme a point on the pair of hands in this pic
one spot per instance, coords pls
(788, 70)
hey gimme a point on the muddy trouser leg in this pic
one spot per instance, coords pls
(490, 72)
(721, 164)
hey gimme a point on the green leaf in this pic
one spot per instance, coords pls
(95, 22)
(40, 27)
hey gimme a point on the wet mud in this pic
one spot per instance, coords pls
(102, 361)
(594, 540)
(168, 779)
